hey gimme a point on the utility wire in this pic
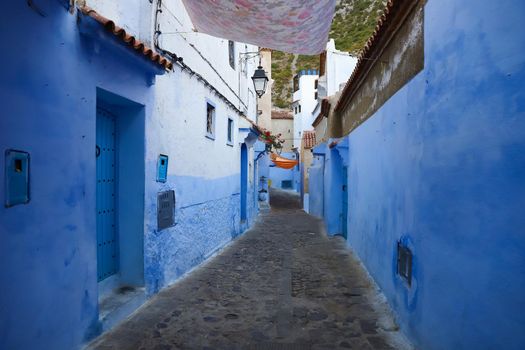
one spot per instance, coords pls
(199, 53)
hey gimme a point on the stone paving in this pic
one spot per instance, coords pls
(282, 285)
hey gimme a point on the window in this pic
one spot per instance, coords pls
(295, 83)
(315, 95)
(230, 132)
(231, 53)
(210, 120)
(316, 84)
(295, 110)
(299, 108)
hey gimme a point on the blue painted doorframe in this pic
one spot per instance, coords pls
(107, 262)
(345, 203)
(244, 180)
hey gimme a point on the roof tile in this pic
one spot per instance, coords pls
(309, 139)
(367, 55)
(282, 115)
(127, 38)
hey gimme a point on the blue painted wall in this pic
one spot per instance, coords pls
(51, 79)
(316, 181)
(441, 166)
(278, 175)
(207, 217)
(333, 183)
(48, 93)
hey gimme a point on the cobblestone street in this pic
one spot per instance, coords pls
(283, 285)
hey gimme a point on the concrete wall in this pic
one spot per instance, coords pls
(396, 65)
(264, 119)
(440, 166)
(285, 128)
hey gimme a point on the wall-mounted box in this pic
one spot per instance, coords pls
(162, 168)
(16, 178)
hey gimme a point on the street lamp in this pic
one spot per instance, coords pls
(260, 80)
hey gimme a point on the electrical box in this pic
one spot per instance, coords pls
(162, 168)
(165, 209)
(16, 177)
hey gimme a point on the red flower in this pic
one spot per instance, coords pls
(267, 133)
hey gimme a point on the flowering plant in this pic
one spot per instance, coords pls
(272, 141)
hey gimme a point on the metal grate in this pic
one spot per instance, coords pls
(286, 184)
(404, 262)
(165, 209)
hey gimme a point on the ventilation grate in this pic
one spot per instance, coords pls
(404, 263)
(165, 209)
(286, 184)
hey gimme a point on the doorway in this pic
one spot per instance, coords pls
(244, 180)
(107, 182)
(119, 151)
(345, 202)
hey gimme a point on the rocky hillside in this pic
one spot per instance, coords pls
(354, 21)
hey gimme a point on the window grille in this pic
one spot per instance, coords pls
(230, 130)
(231, 53)
(210, 120)
(404, 263)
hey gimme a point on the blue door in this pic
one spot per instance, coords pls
(244, 180)
(345, 202)
(106, 185)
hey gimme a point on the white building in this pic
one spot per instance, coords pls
(304, 101)
(336, 67)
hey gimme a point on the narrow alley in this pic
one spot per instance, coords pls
(247, 174)
(282, 285)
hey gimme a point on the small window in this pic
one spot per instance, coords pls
(210, 120)
(231, 53)
(299, 108)
(296, 83)
(315, 95)
(230, 132)
(316, 84)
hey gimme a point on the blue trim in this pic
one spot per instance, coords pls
(244, 181)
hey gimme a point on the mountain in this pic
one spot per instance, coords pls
(354, 21)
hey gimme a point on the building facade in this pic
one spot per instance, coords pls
(428, 154)
(125, 169)
(304, 101)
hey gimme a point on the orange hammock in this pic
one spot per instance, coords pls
(282, 162)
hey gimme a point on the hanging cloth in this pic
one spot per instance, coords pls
(295, 26)
(282, 162)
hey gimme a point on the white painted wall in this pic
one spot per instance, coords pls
(178, 122)
(203, 172)
(305, 97)
(339, 67)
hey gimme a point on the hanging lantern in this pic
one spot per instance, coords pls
(260, 81)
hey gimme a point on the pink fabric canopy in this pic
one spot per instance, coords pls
(296, 26)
